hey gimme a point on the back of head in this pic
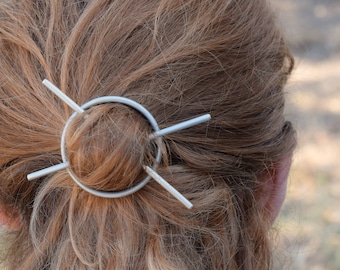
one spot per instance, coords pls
(179, 59)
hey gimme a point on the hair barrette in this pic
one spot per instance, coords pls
(156, 135)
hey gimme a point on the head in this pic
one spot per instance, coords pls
(179, 59)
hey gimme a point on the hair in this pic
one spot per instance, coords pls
(179, 59)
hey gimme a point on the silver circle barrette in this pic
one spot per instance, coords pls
(156, 135)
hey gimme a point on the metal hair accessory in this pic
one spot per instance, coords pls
(156, 135)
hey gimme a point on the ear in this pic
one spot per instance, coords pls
(9, 219)
(273, 192)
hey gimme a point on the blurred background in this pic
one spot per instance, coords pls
(309, 224)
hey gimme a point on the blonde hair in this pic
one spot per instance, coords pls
(179, 59)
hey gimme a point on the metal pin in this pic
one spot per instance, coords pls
(180, 126)
(47, 171)
(155, 135)
(160, 180)
(62, 96)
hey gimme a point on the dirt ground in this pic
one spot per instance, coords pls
(310, 221)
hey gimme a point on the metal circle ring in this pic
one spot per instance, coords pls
(136, 106)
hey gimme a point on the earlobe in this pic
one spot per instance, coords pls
(273, 193)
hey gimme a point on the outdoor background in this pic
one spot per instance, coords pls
(309, 225)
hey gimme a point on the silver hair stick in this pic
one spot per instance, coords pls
(151, 173)
(186, 124)
(62, 96)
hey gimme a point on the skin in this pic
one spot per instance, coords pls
(273, 193)
(9, 221)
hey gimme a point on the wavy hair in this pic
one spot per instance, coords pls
(179, 59)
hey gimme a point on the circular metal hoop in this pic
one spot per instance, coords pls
(130, 103)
